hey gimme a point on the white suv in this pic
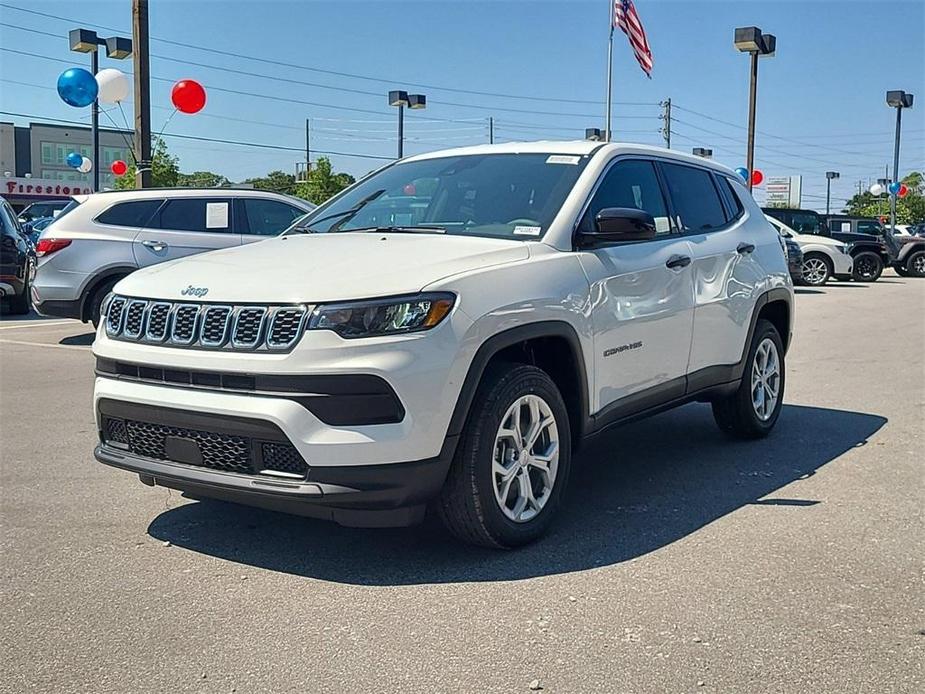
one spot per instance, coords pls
(99, 239)
(823, 257)
(449, 330)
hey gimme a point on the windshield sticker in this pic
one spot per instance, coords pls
(527, 231)
(562, 159)
(216, 215)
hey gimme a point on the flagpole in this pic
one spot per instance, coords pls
(609, 75)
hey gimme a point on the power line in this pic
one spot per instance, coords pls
(338, 73)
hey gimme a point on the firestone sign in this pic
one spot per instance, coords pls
(41, 187)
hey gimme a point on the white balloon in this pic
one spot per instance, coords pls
(113, 85)
(86, 166)
(876, 189)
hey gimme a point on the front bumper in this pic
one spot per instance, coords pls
(393, 494)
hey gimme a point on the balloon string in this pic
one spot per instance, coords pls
(118, 127)
(167, 122)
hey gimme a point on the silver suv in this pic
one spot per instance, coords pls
(101, 238)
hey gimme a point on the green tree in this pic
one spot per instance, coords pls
(322, 182)
(909, 209)
(276, 181)
(165, 168)
(202, 179)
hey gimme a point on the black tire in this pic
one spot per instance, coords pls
(868, 266)
(901, 271)
(915, 264)
(735, 414)
(826, 264)
(96, 301)
(20, 304)
(467, 504)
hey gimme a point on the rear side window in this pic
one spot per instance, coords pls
(631, 183)
(195, 214)
(733, 202)
(128, 214)
(868, 227)
(269, 217)
(695, 198)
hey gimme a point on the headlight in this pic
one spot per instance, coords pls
(383, 316)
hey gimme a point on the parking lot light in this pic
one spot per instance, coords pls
(899, 100)
(594, 134)
(400, 99)
(117, 48)
(750, 40)
(829, 176)
(702, 152)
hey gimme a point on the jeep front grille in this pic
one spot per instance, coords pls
(206, 326)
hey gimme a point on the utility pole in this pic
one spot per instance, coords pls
(141, 60)
(308, 149)
(491, 130)
(95, 125)
(666, 116)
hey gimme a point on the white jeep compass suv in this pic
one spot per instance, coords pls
(449, 330)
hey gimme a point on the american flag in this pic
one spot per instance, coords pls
(626, 19)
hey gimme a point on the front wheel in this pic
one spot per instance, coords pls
(816, 269)
(915, 264)
(752, 410)
(512, 463)
(867, 266)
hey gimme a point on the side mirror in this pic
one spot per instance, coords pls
(616, 224)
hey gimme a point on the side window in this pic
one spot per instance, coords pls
(868, 227)
(195, 214)
(733, 202)
(269, 217)
(127, 214)
(696, 200)
(631, 183)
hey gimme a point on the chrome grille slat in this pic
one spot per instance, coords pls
(255, 328)
(285, 327)
(158, 315)
(134, 318)
(214, 326)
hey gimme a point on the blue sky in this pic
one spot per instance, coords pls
(821, 98)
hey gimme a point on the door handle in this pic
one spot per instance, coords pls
(155, 245)
(744, 248)
(678, 261)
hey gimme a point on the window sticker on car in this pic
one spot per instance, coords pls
(216, 215)
(527, 231)
(562, 159)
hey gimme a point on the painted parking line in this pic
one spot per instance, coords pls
(82, 348)
(37, 324)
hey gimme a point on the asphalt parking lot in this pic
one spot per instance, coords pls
(682, 562)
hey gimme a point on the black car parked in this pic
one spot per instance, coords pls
(17, 260)
(871, 252)
(907, 253)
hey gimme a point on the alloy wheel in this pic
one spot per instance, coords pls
(918, 264)
(866, 268)
(526, 458)
(765, 379)
(815, 271)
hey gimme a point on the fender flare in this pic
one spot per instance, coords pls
(507, 338)
(96, 280)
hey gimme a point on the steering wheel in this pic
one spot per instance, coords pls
(524, 221)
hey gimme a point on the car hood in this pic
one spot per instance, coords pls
(321, 267)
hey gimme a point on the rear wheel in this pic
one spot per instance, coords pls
(512, 462)
(868, 266)
(21, 304)
(816, 269)
(915, 264)
(752, 410)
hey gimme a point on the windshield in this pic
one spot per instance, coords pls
(498, 195)
(44, 209)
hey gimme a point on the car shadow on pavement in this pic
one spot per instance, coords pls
(84, 340)
(801, 290)
(635, 490)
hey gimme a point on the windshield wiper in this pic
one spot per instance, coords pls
(420, 228)
(344, 213)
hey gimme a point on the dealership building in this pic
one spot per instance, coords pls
(33, 160)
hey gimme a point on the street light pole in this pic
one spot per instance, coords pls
(899, 100)
(95, 125)
(401, 99)
(829, 175)
(750, 40)
(142, 65)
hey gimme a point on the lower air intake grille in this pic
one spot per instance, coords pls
(201, 448)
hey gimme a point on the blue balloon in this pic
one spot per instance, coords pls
(743, 172)
(894, 187)
(77, 87)
(74, 159)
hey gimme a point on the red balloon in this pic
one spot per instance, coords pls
(903, 190)
(188, 96)
(119, 167)
(757, 177)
